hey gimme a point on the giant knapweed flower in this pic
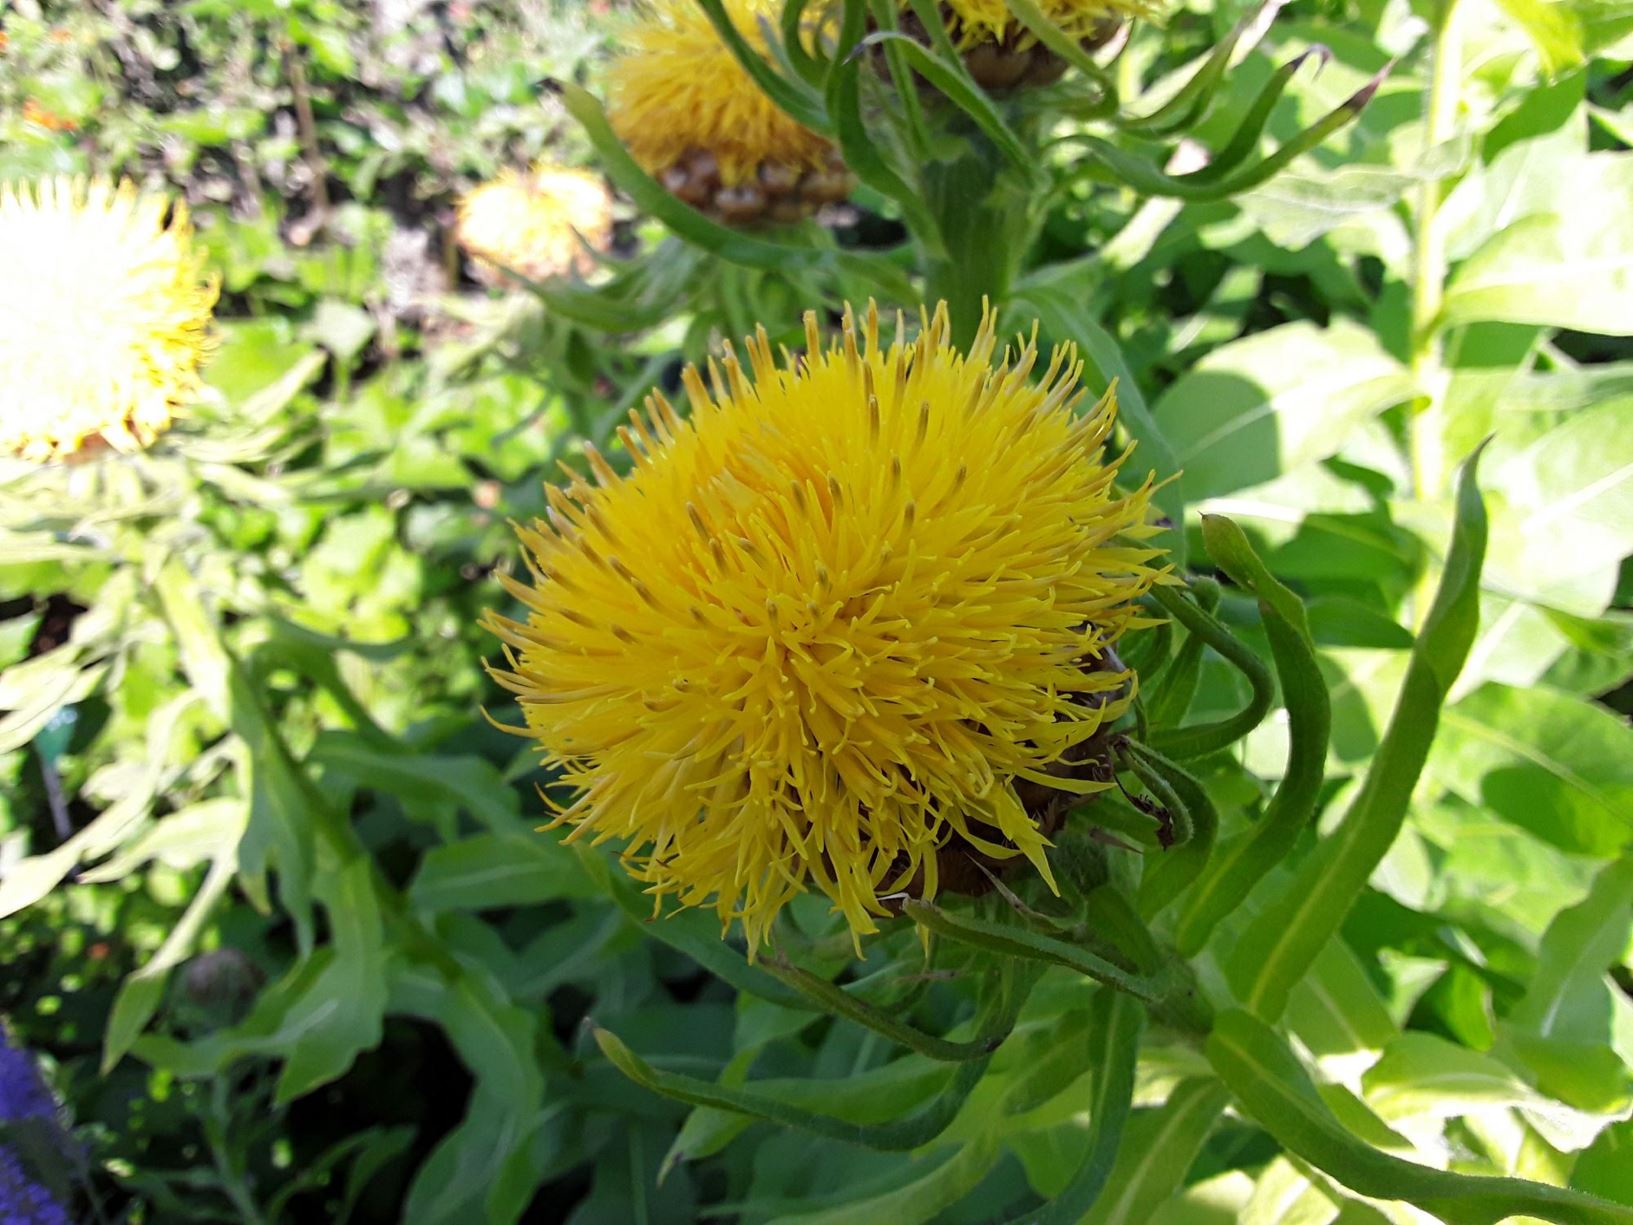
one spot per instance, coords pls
(104, 316)
(826, 625)
(541, 224)
(1001, 53)
(692, 116)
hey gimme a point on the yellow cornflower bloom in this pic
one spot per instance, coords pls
(991, 21)
(104, 316)
(537, 224)
(825, 625)
(694, 118)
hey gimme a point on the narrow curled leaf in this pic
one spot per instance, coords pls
(995, 1019)
(835, 999)
(1185, 742)
(1246, 860)
(1192, 99)
(1115, 1034)
(1205, 185)
(1284, 939)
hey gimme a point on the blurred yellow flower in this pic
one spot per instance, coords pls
(537, 223)
(694, 118)
(104, 316)
(991, 21)
(827, 625)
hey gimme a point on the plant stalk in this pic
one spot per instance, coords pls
(1424, 425)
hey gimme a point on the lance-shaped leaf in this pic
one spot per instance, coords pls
(1245, 861)
(1157, 1153)
(996, 1018)
(1116, 1022)
(1285, 937)
(1273, 1087)
(690, 932)
(1185, 742)
(1173, 994)
(835, 999)
(1192, 99)
(1198, 185)
(1246, 137)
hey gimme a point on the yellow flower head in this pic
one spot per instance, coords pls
(104, 316)
(991, 21)
(537, 223)
(691, 115)
(827, 623)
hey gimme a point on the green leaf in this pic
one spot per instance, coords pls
(139, 995)
(1013, 940)
(1194, 741)
(1580, 945)
(467, 783)
(690, 931)
(1335, 1010)
(1157, 1152)
(1273, 1087)
(486, 1167)
(1553, 27)
(1115, 1034)
(1559, 268)
(774, 1104)
(944, 1187)
(1286, 936)
(348, 1001)
(1276, 400)
(1563, 520)
(1241, 863)
(1554, 764)
(1423, 1076)
(835, 999)
(492, 870)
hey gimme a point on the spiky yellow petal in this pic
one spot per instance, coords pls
(539, 223)
(978, 21)
(825, 624)
(677, 90)
(104, 316)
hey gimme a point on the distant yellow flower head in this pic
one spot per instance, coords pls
(691, 115)
(104, 316)
(537, 223)
(978, 21)
(827, 623)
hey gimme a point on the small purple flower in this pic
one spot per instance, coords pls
(22, 1200)
(23, 1093)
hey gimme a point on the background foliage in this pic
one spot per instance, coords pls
(274, 907)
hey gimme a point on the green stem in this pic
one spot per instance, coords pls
(1424, 425)
(985, 222)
